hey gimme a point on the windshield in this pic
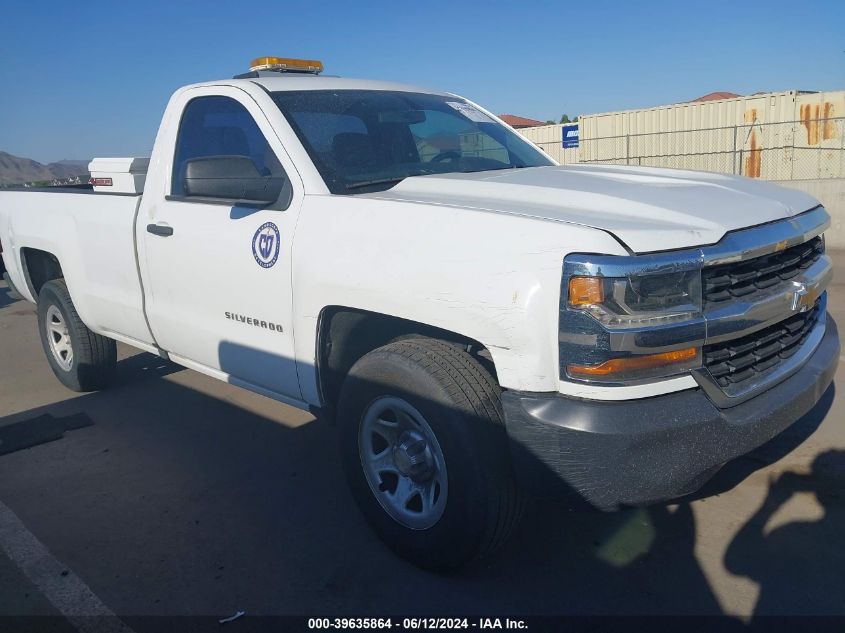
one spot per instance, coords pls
(370, 140)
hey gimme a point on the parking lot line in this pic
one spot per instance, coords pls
(63, 588)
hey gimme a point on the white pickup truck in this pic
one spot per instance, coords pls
(479, 321)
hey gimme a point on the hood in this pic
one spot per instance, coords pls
(648, 209)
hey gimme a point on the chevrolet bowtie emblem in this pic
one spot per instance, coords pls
(804, 298)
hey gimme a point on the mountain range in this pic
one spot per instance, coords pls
(15, 170)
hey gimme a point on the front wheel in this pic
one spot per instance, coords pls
(80, 359)
(425, 451)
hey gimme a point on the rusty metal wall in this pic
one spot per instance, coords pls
(775, 136)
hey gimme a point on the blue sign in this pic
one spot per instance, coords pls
(570, 135)
(265, 245)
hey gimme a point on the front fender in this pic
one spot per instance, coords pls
(491, 277)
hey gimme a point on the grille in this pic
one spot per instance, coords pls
(730, 281)
(741, 359)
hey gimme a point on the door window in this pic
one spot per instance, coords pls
(217, 126)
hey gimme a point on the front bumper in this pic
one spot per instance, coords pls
(642, 451)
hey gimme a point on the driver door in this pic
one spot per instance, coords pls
(217, 271)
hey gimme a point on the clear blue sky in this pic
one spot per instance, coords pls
(91, 78)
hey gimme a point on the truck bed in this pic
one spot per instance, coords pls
(92, 235)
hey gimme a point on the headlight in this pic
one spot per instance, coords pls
(630, 319)
(637, 300)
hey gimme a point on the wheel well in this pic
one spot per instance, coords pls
(39, 268)
(344, 335)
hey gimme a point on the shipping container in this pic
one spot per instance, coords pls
(776, 136)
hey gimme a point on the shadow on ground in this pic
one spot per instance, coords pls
(5, 296)
(797, 565)
(177, 502)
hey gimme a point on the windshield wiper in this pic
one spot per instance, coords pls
(379, 181)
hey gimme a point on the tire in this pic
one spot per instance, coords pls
(467, 503)
(81, 359)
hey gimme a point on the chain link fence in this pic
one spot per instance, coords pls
(793, 150)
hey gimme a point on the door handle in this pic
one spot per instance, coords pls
(160, 229)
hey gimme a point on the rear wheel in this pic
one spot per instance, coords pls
(425, 452)
(80, 359)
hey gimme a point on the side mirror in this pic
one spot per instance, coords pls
(232, 178)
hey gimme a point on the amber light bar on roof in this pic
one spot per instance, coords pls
(286, 63)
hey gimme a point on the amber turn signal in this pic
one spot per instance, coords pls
(585, 291)
(617, 366)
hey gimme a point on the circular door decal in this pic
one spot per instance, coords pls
(265, 245)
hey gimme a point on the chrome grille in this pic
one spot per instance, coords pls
(743, 279)
(752, 356)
